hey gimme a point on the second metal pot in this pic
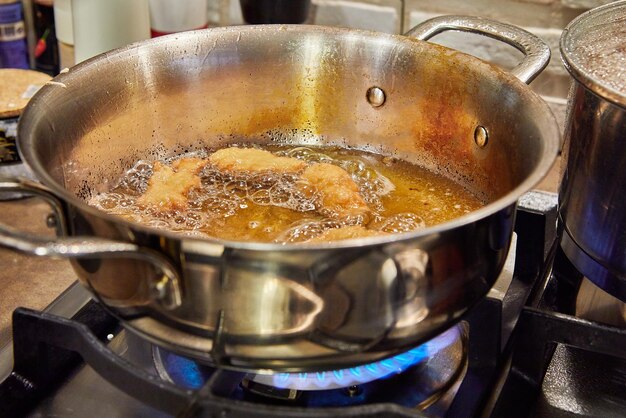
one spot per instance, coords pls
(593, 190)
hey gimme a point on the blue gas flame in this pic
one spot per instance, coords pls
(190, 374)
(346, 377)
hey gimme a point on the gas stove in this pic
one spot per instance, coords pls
(520, 352)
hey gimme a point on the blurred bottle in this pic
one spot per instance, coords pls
(170, 16)
(275, 11)
(102, 25)
(46, 49)
(13, 46)
(64, 32)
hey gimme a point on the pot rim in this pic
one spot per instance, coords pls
(545, 162)
(582, 76)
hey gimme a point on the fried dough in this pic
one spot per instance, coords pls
(345, 232)
(254, 160)
(169, 185)
(338, 194)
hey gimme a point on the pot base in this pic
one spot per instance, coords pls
(603, 277)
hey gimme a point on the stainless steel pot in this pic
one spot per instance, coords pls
(592, 195)
(263, 306)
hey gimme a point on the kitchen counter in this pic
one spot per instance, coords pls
(28, 281)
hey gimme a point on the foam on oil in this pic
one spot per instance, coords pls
(271, 207)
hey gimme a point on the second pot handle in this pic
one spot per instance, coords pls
(166, 289)
(536, 51)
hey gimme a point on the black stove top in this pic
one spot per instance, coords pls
(519, 353)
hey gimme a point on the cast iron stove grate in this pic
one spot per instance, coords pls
(586, 360)
(45, 353)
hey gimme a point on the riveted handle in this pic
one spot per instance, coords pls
(166, 288)
(536, 52)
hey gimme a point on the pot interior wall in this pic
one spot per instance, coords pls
(297, 84)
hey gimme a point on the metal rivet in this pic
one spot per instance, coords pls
(51, 221)
(166, 291)
(481, 136)
(376, 96)
(161, 288)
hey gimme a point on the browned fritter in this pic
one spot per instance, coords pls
(338, 194)
(169, 185)
(345, 232)
(254, 160)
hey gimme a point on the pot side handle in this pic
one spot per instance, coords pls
(166, 290)
(536, 51)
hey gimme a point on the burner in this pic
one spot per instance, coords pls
(415, 378)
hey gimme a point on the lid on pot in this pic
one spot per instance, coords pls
(593, 47)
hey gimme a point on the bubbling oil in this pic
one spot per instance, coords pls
(274, 207)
